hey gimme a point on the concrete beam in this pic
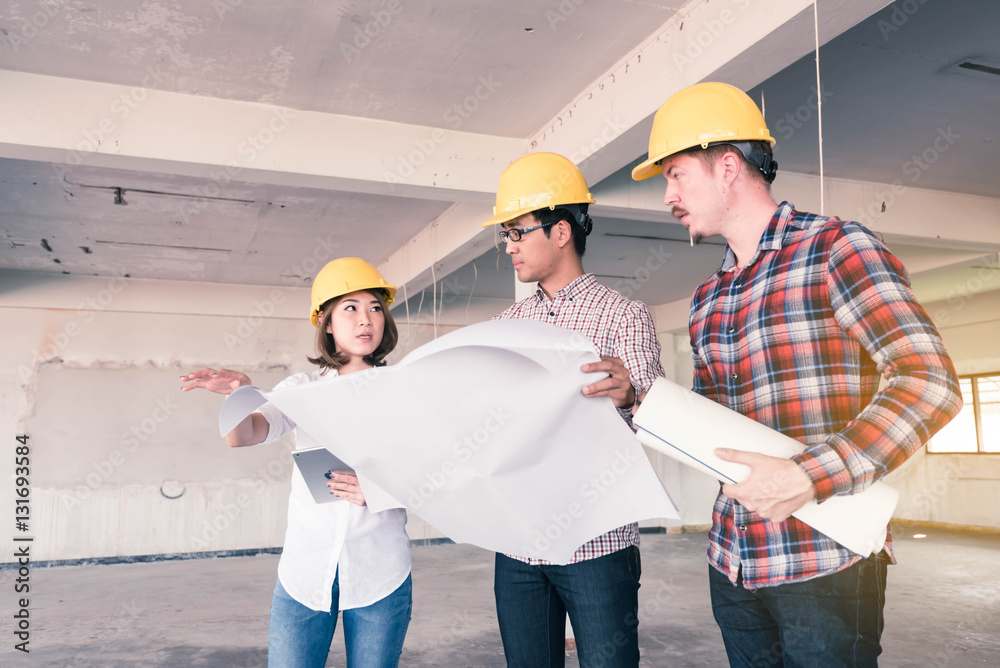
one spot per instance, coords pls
(736, 41)
(89, 296)
(70, 122)
(912, 215)
(450, 242)
(607, 125)
(903, 213)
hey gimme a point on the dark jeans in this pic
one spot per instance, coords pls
(601, 596)
(829, 621)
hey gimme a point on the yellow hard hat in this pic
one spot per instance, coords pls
(537, 181)
(699, 115)
(344, 276)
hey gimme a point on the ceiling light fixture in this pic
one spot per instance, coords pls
(119, 193)
(976, 67)
(203, 249)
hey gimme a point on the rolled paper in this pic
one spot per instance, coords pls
(689, 427)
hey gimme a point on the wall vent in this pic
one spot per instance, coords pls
(976, 67)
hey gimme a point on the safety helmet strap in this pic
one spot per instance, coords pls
(580, 216)
(767, 165)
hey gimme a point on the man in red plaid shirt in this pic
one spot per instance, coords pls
(542, 206)
(795, 330)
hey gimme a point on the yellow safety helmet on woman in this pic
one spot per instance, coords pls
(344, 276)
(540, 181)
(703, 115)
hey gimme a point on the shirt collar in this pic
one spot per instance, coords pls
(771, 239)
(575, 287)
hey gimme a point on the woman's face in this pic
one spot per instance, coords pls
(357, 324)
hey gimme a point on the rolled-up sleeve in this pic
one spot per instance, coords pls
(872, 302)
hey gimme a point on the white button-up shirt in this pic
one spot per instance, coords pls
(371, 550)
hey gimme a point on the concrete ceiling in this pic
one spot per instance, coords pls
(168, 228)
(891, 94)
(395, 60)
(362, 170)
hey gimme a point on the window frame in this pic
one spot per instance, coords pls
(977, 417)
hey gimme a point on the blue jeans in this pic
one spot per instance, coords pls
(300, 637)
(601, 596)
(833, 620)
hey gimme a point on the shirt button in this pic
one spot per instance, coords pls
(738, 284)
(733, 376)
(743, 527)
(732, 329)
(552, 313)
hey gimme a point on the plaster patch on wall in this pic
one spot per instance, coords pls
(149, 364)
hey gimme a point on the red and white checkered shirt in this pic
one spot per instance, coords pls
(798, 340)
(619, 327)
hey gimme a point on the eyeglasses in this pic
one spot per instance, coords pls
(515, 234)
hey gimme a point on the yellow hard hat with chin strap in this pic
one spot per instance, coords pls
(541, 181)
(342, 277)
(703, 115)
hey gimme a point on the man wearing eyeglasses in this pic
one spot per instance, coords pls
(542, 204)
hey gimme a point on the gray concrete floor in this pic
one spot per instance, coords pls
(943, 609)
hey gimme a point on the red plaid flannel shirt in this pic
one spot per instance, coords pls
(797, 340)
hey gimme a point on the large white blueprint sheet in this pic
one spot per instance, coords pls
(484, 433)
(688, 427)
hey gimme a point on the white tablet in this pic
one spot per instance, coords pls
(316, 465)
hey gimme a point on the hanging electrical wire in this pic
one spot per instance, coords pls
(420, 306)
(819, 110)
(406, 302)
(475, 277)
(434, 312)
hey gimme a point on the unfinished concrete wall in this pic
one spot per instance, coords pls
(122, 462)
(958, 489)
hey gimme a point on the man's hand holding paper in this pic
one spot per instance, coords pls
(775, 488)
(689, 427)
(618, 384)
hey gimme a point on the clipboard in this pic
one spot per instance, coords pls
(316, 465)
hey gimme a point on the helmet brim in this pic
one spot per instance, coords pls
(648, 169)
(388, 290)
(503, 217)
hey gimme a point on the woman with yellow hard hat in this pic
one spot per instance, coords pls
(336, 556)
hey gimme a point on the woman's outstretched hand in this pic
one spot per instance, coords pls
(223, 381)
